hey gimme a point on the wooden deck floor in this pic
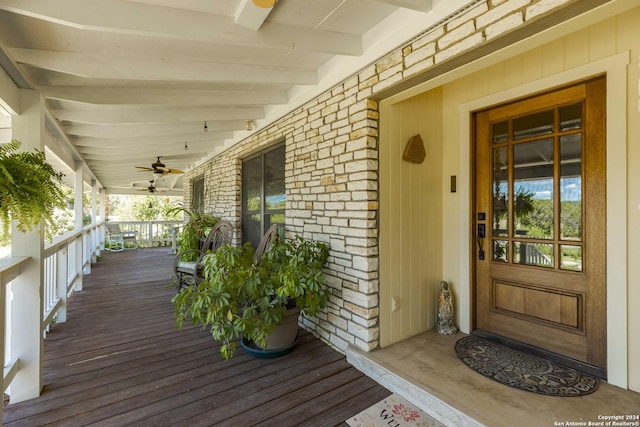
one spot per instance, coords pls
(119, 360)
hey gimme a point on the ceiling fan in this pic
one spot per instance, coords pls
(151, 188)
(159, 169)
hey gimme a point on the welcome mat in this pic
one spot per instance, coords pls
(393, 411)
(522, 370)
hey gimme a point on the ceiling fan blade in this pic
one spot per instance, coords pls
(144, 168)
(176, 171)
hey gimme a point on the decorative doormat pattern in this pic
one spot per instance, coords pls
(521, 370)
(393, 411)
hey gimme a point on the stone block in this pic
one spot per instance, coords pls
(458, 48)
(456, 35)
(420, 55)
(543, 7)
(500, 11)
(359, 299)
(504, 25)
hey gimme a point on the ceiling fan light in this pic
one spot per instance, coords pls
(157, 175)
(265, 3)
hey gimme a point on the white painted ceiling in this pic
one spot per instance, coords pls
(130, 80)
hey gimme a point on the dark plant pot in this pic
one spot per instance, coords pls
(281, 340)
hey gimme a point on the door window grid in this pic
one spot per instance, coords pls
(537, 201)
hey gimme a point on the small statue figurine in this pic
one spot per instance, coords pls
(446, 325)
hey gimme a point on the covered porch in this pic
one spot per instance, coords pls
(119, 359)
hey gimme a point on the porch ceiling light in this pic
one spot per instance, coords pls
(265, 3)
(157, 175)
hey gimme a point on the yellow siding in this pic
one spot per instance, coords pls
(410, 217)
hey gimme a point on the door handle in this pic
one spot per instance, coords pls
(481, 234)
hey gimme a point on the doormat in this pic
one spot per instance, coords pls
(521, 370)
(393, 411)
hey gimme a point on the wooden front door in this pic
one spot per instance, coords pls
(540, 253)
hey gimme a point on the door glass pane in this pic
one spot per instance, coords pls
(571, 257)
(500, 191)
(533, 188)
(500, 132)
(501, 250)
(533, 125)
(538, 254)
(274, 195)
(571, 117)
(571, 187)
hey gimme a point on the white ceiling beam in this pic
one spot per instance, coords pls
(147, 96)
(192, 139)
(251, 16)
(419, 5)
(119, 16)
(108, 67)
(130, 131)
(168, 150)
(160, 115)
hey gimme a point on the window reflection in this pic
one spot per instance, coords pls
(537, 254)
(533, 188)
(532, 125)
(501, 250)
(571, 257)
(500, 191)
(571, 187)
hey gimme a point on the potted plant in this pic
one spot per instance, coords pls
(194, 231)
(242, 298)
(30, 189)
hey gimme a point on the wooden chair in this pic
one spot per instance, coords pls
(190, 272)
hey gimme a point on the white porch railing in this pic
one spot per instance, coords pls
(65, 261)
(152, 233)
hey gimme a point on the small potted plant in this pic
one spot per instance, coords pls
(243, 298)
(30, 189)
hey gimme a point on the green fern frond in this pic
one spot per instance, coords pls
(30, 188)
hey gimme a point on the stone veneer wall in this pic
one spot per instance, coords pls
(332, 163)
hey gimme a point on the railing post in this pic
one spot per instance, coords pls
(61, 283)
(150, 234)
(86, 250)
(78, 263)
(27, 341)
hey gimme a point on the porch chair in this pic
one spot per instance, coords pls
(117, 239)
(190, 272)
(267, 240)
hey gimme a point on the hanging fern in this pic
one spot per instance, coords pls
(30, 189)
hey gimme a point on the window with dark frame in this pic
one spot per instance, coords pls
(197, 195)
(263, 194)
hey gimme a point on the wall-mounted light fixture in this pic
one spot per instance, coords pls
(248, 124)
(265, 3)
(205, 126)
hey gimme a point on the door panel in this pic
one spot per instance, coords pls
(540, 221)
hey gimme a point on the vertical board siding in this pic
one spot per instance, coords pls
(411, 217)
